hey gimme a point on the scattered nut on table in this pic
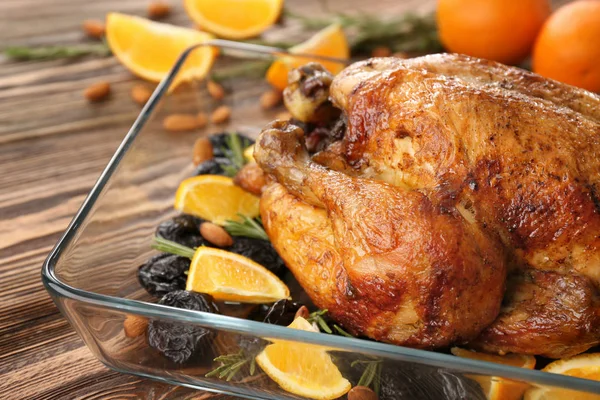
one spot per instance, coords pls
(140, 94)
(271, 99)
(215, 234)
(215, 90)
(180, 122)
(158, 9)
(97, 91)
(221, 115)
(202, 120)
(94, 28)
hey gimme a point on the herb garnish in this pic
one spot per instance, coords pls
(234, 151)
(168, 246)
(408, 32)
(371, 376)
(249, 227)
(317, 317)
(22, 53)
(231, 364)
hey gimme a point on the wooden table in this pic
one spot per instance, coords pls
(53, 146)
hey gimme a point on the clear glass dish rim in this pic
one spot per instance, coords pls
(431, 358)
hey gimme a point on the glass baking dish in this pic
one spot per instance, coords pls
(91, 273)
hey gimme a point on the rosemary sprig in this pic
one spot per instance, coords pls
(231, 364)
(249, 69)
(317, 317)
(234, 151)
(371, 376)
(406, 33)
(168, 246)
(23, 53)
(249, 227)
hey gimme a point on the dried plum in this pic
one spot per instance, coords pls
(260, 251)
(183, 229)
(281, 312)
(163, 273)
(425, 383)
(219, 142)
(215, 166)
(180, 341)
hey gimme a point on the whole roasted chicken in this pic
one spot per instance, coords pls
(459, 203)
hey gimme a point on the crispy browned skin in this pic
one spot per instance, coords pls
(384, 260)
(494, 150)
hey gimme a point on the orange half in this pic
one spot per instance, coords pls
(234, 19)
(149, 49)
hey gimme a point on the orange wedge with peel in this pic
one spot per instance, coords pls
(149, 49)
(496, 388)
(586, 366)
(232, 277)
(234, 19)
(330, 42)
(303, 369)
(215, 198)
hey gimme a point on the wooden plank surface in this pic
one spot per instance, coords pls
(53, 146)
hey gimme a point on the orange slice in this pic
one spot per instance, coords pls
(330, 42)
(494, 387)
(215, 198)
(149, 49)
(586, 366)
(234, 19)
(303, 369)
(231, 277)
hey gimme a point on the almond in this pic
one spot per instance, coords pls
(271, 99)
(302, 312)
(251, 178)
(203, 150)
(215, 234)
(134, 326)
(94, 28)
(140, 94)
(180, 122)
(97, 92)
(361, 393)
(202, 120)
(381, 51)
(215, 90)
(158, 9)
(221, 115)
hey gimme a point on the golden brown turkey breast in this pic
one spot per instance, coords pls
(453, 173)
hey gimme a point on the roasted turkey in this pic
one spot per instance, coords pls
(460, 205)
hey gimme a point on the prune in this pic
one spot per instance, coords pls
(183, 229)
(219, 143)
(215, 166)
(260, 251)
(163, 273)
(426, 383)
(180, 341)
(281, 312)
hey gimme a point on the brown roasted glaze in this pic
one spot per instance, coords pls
(494, 150)
(384, 260)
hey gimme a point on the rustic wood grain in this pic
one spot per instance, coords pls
(53, 146)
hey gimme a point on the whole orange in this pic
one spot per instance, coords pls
(568, 47)
(500, 30)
